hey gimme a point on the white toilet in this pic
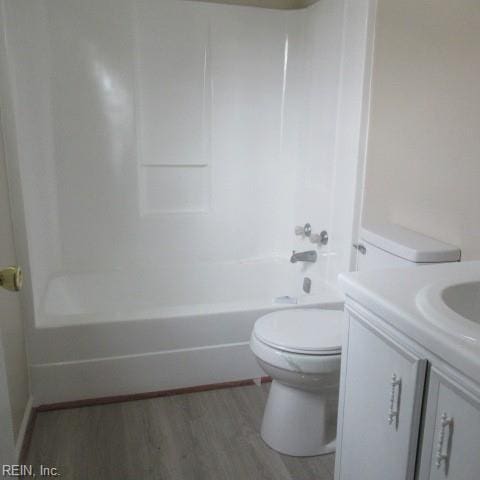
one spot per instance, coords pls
(300, 349)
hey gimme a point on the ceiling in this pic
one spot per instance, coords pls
(276, 4)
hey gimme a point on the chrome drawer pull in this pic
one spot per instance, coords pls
(443, 453)
(394, 405)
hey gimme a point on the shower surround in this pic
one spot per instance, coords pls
(159, 156)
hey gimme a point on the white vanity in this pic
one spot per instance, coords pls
(410, 376)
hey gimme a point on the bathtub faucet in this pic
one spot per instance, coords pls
(310, 256)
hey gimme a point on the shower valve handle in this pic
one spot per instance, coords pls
(305, 231)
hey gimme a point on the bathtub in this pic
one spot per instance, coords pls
(124, 332)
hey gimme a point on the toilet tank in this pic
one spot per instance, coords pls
(391, 245)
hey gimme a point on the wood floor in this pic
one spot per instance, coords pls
(209, 435)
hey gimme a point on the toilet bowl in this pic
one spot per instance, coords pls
(300, 349)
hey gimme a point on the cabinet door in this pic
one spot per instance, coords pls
(451, 441)
(380, 403)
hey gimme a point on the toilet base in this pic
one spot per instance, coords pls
(300, 423)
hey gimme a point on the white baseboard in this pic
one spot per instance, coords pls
(23, 427)
(131, 374)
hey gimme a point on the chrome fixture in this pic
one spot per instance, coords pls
(321, 238)
(307, 285)
(310, 256)
(396, 384)
(443, 454)
(306, 230)
(361, 248)
(11, 278)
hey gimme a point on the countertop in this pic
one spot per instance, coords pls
(392, 295)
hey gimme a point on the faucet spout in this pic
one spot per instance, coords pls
(310, 256)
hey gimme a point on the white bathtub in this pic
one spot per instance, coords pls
(115, 333)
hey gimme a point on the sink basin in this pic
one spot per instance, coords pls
(464, 299)
(454, 305)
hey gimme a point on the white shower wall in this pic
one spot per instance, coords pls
(160, 154)
(162, 132)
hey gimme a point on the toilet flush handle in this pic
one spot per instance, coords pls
(361, 248)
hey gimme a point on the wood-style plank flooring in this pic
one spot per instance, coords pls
(200, 436)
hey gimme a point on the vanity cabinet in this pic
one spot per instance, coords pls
(379, 413)
(403, 413)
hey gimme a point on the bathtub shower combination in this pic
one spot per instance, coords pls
(160, 155)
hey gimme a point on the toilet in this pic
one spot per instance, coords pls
(300, 349)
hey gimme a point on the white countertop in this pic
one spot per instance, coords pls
(392, 293)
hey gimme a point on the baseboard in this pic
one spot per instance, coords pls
(25, 432)
(89, 402)
(153, 372)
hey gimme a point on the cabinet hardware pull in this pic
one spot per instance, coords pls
(443, 453)
(394, 406)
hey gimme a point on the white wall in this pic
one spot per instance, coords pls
(423, 163)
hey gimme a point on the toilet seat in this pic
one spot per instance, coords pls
(294, 362)
(302, 331)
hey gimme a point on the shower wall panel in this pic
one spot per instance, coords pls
(171, 132)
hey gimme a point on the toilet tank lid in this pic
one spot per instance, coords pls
(409, 245)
